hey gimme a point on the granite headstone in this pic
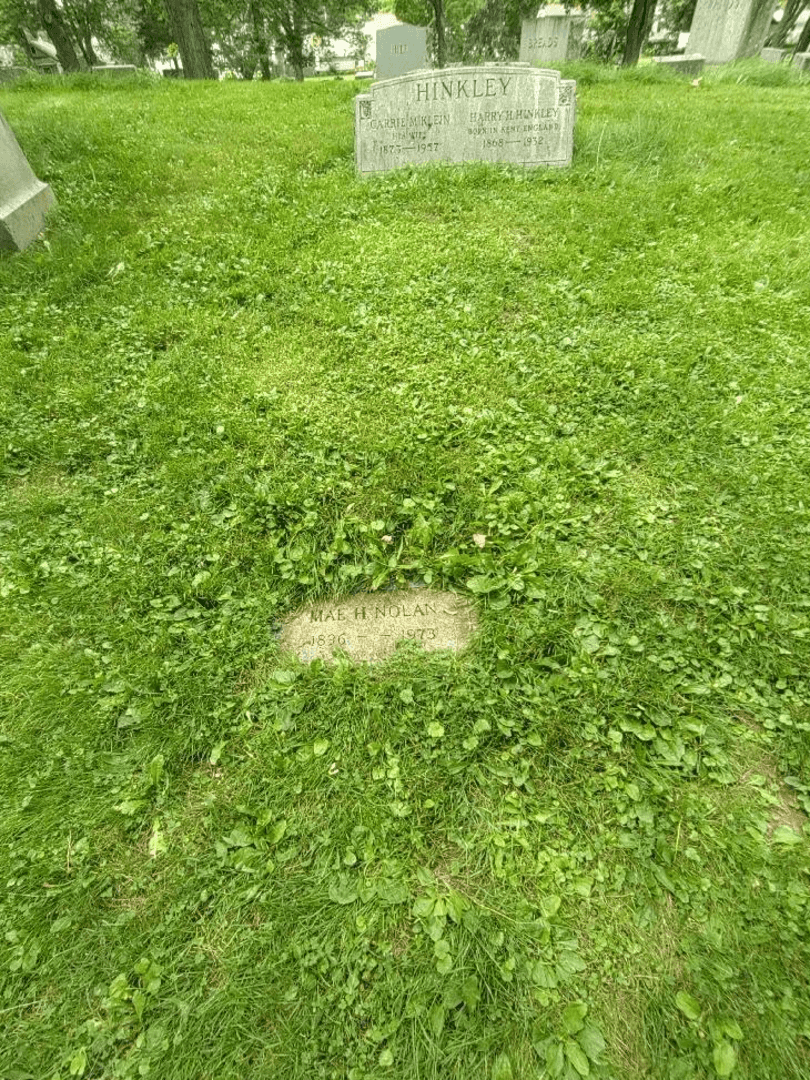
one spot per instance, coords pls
(400, 49)
(688, 64)
(551, 39)
(725, 30)
(24, 200)
(368, 626)
(511, 113)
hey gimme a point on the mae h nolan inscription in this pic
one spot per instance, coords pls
(369, 625)
(509, 113)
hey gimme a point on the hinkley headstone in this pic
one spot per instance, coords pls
(725, 30)
(368, 626)
(510, 113)
(551, 38)
(24, 200)
(400, 49)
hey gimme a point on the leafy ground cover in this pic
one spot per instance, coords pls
(578, 849)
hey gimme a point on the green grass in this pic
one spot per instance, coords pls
(229, 370)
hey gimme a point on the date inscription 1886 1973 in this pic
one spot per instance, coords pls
(369, 625)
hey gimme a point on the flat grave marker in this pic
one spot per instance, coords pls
(401, 49)
(367, 626)
(514, 114)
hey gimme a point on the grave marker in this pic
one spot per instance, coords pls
(683, 65)
(510, 113)
(401, 49)
(550, 39)
(367, 626)
(725, 30)
(24, 200)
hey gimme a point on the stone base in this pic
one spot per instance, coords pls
(114, 69)
(689, 64)
(801, 60)
(9, 74)
(22, 222)
(773, 56)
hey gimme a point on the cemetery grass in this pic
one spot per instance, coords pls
(234, 378)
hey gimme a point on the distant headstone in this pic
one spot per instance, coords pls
(801, 60)
(24, 200)
(551, 39)
(9, 74)
(364, 75)
(368, 626)
(725, 30)
(689, 64)
(114, 69)
(40, 53)
(773, 56)
(400, 49)
(510, 113)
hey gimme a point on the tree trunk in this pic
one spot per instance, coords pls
(184, 19)
(59, 34)
(81, 32)
(638, 30)
(259, 38)
(803, 44)
(790, 14)
(441, 45)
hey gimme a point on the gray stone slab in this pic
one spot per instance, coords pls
(773, 56)
(725, 30)
(9, 74)
(401, 49)
(24, 200)
(368, 626)
(801, 60)
(114, 69)
(510, 113)
(551, 39)
(684, 65)
(364, 75)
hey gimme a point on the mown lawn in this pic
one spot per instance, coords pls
(578, 849)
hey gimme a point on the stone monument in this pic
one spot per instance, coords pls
(725, 30)
(688, 64)
(24, 200)
(400, 49)
(368, 626)
(552, 37)
(511, 113)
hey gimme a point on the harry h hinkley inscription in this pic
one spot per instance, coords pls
(510, 113)
(368, 626)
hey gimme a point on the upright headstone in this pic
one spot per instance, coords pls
(773, 56)
(801, 60)
(511, 113)
(400, 49)
(552, 37)
(725, 30)
(24, 200)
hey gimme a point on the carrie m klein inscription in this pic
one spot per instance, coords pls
(369, 625)
(511, 113)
